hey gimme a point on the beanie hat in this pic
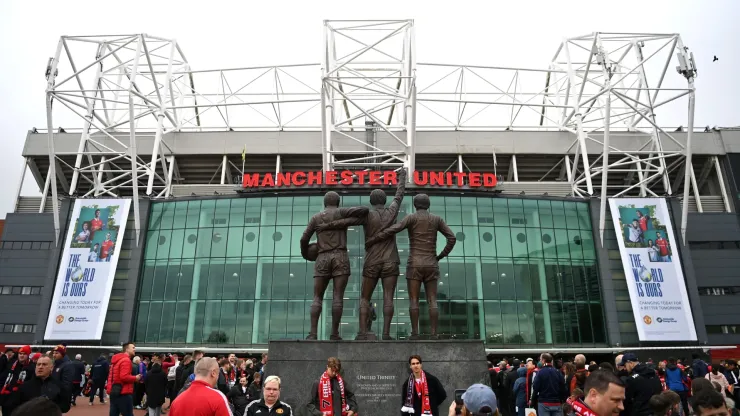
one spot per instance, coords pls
(61, 349)
(26, 349)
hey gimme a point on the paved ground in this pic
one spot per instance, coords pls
(97, 409)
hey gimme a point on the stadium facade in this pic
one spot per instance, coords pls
(209, 253)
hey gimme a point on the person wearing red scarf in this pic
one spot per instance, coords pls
(331, 396)
(19, 371)
(422, 393)
(604, 396)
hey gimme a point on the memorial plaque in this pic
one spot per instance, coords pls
(375, 370)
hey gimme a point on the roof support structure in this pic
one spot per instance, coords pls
(596, 86)
(368, 69)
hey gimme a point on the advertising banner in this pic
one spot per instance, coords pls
(86, 270)
(652, 266)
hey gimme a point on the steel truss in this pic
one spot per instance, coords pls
(137, 89)
(368, 77)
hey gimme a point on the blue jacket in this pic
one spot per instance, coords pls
(99, 371)
(142, 371)
(520, 387)
(549, 386)
(674, 378)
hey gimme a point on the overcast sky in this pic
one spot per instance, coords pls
(222, 34)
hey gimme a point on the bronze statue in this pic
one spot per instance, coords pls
(381, 260)
(423, 263)
(332, 262)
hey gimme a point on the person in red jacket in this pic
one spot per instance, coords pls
(201, 399)
(121, 398)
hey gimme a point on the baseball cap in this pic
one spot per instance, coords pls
(628, 357)
(479, 396)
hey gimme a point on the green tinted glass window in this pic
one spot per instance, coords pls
(230, 272)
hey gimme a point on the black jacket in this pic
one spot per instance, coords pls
(239, 397)
(640, 386)
(222, 385)
(314, 407)
(79, 371)
(254, 391)
(510, 379)
(549, 386)
(50, 388)
(64, 372)
(156, 385)
(99, 371)
(259, 408)
(5, 363)
(182, 373)
(437, 395)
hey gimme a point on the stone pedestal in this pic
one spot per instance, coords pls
(375, 370)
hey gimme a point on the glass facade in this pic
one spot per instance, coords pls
(229, 272)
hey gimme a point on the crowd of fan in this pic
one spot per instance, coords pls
(51, 383)
(29, 374)
(628, 387)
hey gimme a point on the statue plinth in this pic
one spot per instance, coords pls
(375, 370)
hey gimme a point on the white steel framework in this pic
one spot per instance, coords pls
(134, 90)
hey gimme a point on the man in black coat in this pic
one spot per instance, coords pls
(239, 396)
(99, 374)
(641, 384)
(79, 372)
(413, 397)
(64, 371)
(156, 386)
(44, 384)
(186, 367)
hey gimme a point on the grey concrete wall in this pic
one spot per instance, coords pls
(52, 267)
(24, 267)
(689, 271)
(717, 268)
(129, 272)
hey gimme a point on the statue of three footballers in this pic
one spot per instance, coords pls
(381, 257)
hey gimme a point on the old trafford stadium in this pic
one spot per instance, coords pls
(507, 210)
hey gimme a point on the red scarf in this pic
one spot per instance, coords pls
(422, 390)
(580, 408)
(11, 383)
(527, 384)
(326, 405)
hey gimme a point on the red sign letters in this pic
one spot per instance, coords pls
(370, 178)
